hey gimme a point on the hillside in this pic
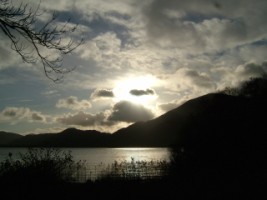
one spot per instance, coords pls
(217, 117)
(6, 137)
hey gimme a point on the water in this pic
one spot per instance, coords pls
(103, 155)
(98, 160)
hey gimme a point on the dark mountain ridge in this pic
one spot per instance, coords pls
(215, 119)
(218, 142)
(209, 117)
(70, 137)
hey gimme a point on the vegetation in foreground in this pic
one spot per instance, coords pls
(43, 173)
(48, 170)
(45, 165)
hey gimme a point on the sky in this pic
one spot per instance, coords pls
(139, 60)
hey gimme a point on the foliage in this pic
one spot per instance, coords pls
(32, 37)
(254, 87)
(40, 165)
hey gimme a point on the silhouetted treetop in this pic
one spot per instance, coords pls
(254, 87)
(36, 39)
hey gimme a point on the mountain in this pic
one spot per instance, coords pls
(6, 137)
(68, 138)
(215, 138)
(213, 120)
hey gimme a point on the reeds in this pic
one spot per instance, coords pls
(41, 165)
(135, 170)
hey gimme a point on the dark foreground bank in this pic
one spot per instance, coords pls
(201, 188)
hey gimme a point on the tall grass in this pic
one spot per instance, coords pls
(135, 170)
(41, 165)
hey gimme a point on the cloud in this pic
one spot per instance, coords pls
(73, 103)
(50, 93)
(136, 92)
(37, 117)
(7, 56)
(197, 79)
(121, 112)
(103, 48)
(129, 112)
(251, 70)
(165, 107)
(204, 26)
(188, 79)
(84, 119)
(102, 93)
(14, 115)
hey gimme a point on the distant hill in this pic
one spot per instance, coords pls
(213, 120)
(68, 138)
(6, 137)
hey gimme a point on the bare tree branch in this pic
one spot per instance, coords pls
(31, 38)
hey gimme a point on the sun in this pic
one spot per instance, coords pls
(124, 90)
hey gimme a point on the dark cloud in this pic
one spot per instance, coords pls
(73, 103)
(252, 70)
(199, 79)
(37, 117)
(10, 113)
(18, 114)
(84, 119)
(205, 26)
(102, 93)
(136, 92)
(15, 112)
(129, 112)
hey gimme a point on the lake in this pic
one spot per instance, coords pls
(98, 160)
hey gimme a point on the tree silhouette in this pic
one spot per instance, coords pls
(38, 41)
(254, 87)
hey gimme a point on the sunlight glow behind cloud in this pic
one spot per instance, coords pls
(124, 87)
